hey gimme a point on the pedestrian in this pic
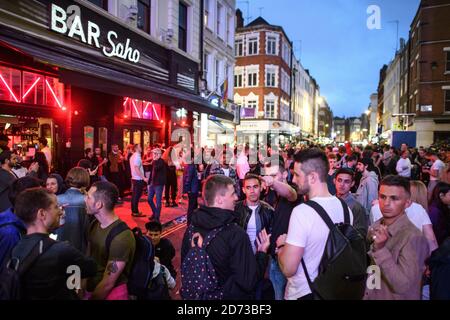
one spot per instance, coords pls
(47, 277)
(332, 161)
(440, 212)
(164, 249)
(101, 163)
(55, 184)
(308, 233)
(43, 147)
(156, 184)
(435, 171)
(368, 186)
(254, 214)
(75, 223)
(286, 199)
(171, 177)
(404, 165)
(230, 252)
(191, 185)
(114, 262)
(344, 181)
(398, 248)
(116, 169)
(138, 180)
(12, 228)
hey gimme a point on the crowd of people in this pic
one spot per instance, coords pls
(264, 221)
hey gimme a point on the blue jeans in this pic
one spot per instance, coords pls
(158, 190)
(278, 279)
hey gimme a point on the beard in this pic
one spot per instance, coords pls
(304, 188)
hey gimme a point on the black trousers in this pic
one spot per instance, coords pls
(192, 205)
(171, 184)
(138, 189)
(116, 178)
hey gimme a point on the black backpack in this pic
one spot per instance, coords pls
(158, 288)
(11, 273)
(343, 267)
(143, 261)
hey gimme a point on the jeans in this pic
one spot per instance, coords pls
(193, 204)
(171, 184)
(158, 190)
(138, 188)
(278, 279)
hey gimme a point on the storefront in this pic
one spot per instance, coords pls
(261, 132)
(94, 81)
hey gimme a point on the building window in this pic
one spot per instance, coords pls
(101, 3)
(182, 26)
(252, 46)
(447, 100)
(269, 109)
(230, 25)
(217, 69)
(253, 104)
(271, 45)
(143, 18)
(271, 78)
(205, 65)
(239, 48)
(238, 81)
(206, 13)
(252, 79)
(219, 20)
(447, 67)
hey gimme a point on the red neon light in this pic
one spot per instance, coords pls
(135, 109)
(145, 109)
(9, 89)
(126, 100)
(156, 113)
(54, 95)
(32, 86)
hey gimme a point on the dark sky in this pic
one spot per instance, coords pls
(336, 45)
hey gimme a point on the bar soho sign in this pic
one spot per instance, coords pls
(68, 22)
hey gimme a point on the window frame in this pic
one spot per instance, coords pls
(182, 29)
(447, 101)
(147, 4)
(252, 43)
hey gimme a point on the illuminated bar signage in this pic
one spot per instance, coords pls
(68, 22)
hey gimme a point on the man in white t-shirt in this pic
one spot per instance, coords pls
(43, 147)
(435, 171)
(404, 165)
(138, 180)
(307, 233)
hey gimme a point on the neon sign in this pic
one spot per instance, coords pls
(69, 22)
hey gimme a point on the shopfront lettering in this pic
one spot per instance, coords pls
(73, 27)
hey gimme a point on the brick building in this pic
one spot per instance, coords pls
(262, 78)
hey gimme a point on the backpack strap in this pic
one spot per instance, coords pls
(212, 234)
(346, 211)
(118, 229)
(322, 213)
(28, 261)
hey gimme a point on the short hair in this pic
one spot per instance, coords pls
(43, 141)
(332, 156)
(5, 155)
(154, 226)
(107, 192)
(352, 157)
(87, 150)
(30, 201)
(77, 177)
(214, 185)
(345, 171)
(396, 181)
(314, 160)
(366, 161)
(20, 185)
(251, 176)
(135, 146)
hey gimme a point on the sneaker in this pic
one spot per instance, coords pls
(138, 215)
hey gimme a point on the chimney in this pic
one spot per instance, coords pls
(239, 19)
(402, 43)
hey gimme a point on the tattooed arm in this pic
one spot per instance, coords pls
(112, 273)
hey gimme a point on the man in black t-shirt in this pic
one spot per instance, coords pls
(275, 176)
(164, 249)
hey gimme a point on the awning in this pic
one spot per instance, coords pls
(79, 71)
